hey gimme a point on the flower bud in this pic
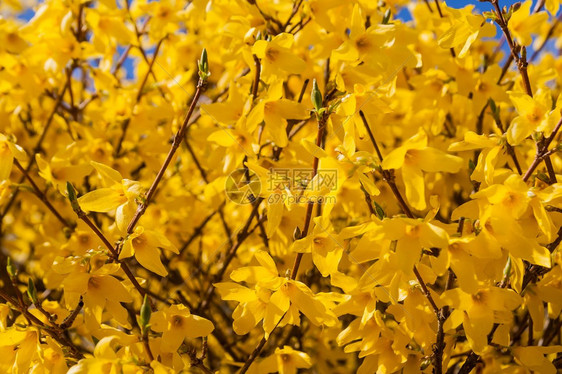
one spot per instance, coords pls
(10, 268)
(386, 17)
(316, 96)
(31, 291)
(297, 233)
(72, 197)
(145, 312)
(203, 65)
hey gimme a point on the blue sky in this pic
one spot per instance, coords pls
(479, 5)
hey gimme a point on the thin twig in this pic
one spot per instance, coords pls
(138, 98)
(542, 150)
(37, 148)
(201, 85)
(114, 253)
(256, 84)
(42, 196)
(441, 15)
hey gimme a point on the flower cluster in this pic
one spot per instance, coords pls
(262, 186)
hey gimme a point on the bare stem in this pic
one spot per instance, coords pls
(37, 147)
(201, 85)
(256, 84)
(542, 153)
(322, 121)
(114, 253)
(42, 196)
(138, 97)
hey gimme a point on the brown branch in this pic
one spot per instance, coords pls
(37, 148)
(240, 238)
(146, 345)
(138, 98)
(68, 321)
(256, 84)
(542, 153)
(388, 176)
(125, 53)
(42, 196)
(320, 136)
(201, 85)
(203, 173)
(56, 332)
(296, 7)
(509, 147)
(322, 123)
(514, 49)
(198, 230)
(114, 253)
(291, 123)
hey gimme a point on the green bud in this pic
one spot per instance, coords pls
(490, 15)
(145, 312)
(297, 234)
(31, 291)
(316, 96)
(425, 364)
(72, 197)
(379, 211)
(386, 17)
(543, 177)
(10, 268)
(203, 64)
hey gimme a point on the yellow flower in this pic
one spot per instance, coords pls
(324, 245)
(504, 216)
(552, 6)
(108, 357)
(144, 244)
(534, 115)
(413, 157)
(533, 358)
(522, 23)
(119, 196)
(479, 311)
(490, 156)
(364, 43)
(383, 347)
(61, 169)
(465, 29)
(100, 290)
(5, 191)
(54, 357)
(8, 151)
(284, 361)
(19, 349)
(276, 56)
(275, 111)
(273, 298)
(10, 38)
(177, 323)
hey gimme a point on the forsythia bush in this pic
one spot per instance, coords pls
(279, 186)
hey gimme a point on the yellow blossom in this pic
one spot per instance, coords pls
(177, 323)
